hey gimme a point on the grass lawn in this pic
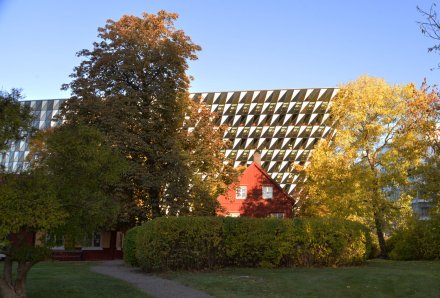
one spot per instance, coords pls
(378, 278)
(74, 279)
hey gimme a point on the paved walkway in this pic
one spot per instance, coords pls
(150, 284)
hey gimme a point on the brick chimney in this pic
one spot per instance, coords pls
(257, 158)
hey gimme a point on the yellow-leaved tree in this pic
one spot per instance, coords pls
(363, 172)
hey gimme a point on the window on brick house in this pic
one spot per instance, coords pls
(92, 240)
(277, 215)
(241, 192)
(267, 192)
(233, 214)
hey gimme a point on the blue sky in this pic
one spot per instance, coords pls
(246, 45)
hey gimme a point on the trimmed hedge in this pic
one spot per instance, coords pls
(419, 241)
(130, 246)
(196, 243)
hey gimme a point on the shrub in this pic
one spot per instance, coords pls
(420, 240)
(130, 246)
(251, 242)
(329, 242)
(180, 243)
(210, 242)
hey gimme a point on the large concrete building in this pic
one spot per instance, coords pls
(283, 125)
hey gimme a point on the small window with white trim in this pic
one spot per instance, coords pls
(54, 241)
(234, 214)
(92, 241)
(277, 215)
(241, 192)
(267, 192)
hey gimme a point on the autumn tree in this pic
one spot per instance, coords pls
(426, 177)
(133, 87)
(203, 145)
(363, 172)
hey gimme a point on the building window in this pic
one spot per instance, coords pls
(424, 212)
(277, 215)
(234, 214)
(119, 240)
(241, 192)
(92, 240)
(267, 192)
(54, 241)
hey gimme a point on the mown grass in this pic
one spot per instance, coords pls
(378, 278)
(74, 280)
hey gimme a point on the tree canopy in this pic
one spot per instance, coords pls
(133, 87)
(68, 190)
(28, 203)
(364, 171)
(84, 171)
(15, 119)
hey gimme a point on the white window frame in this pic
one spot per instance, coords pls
(277, 215)
(55, 240)
(241, 192)
(119, 240)
(92, 245)
(266, 193)
(233, 214)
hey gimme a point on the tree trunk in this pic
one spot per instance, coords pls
(17, 289)
(154, 194)
(7, 272)
(378, 217)
(20, 281)
(6, 291)
(380, 236)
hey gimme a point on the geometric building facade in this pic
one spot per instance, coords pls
(44, 111)
(283, 125)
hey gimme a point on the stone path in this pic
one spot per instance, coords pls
(150, 284)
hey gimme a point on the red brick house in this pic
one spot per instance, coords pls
(256, 194)
(105, 245)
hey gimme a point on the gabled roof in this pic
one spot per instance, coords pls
(264, 173)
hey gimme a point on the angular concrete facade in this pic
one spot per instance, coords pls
(45, 112)
(283, 125)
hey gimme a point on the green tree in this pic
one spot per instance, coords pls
(68, 190)
(363, 172)
(15, 119)
(28, 203)
(19, 212)
(85, 172)
(133, 87)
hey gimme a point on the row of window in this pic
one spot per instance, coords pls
(90, 241)
(271, 108)
(245, 132)
(273, 215)
(241, 192)
(290, 120)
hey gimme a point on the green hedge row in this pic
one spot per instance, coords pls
(419, 241)
(130, 246)
(195, 243)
